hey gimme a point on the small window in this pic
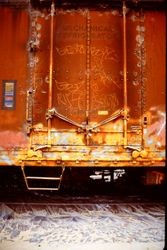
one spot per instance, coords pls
(9, 89)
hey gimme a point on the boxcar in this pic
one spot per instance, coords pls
(82, 87)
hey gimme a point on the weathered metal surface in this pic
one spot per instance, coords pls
(90, 87)
(13, 66)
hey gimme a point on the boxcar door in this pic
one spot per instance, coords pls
(77, 62)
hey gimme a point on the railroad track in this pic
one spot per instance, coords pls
(83, 202)
(65, 224)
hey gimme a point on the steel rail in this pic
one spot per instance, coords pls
(84, 203)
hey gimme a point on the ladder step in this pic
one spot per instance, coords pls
(42, 178)
(40, 188)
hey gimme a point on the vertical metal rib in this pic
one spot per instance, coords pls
(50, 70)
(125, 72)
(142, 93)
(88, 65)
(32, 72)
(87, 71)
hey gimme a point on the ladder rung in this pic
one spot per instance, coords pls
(42, 178)
(40, 188)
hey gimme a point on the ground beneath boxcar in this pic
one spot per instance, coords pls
(82, 226)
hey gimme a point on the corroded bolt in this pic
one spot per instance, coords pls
(135, 154)
(143, 153)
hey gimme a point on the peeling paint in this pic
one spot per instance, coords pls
(140, 39)
(156, 133)
(4, 157)
(11, 139)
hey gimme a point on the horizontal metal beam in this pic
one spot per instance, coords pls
(101, 4)
(147, 4)
(17, 3)
(14, 1)
(140, 162)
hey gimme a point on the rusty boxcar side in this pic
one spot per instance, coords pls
(82, 86)
(14, 26)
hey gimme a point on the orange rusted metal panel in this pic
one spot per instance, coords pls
(96, 86)
(155, 91)
(13, 66)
